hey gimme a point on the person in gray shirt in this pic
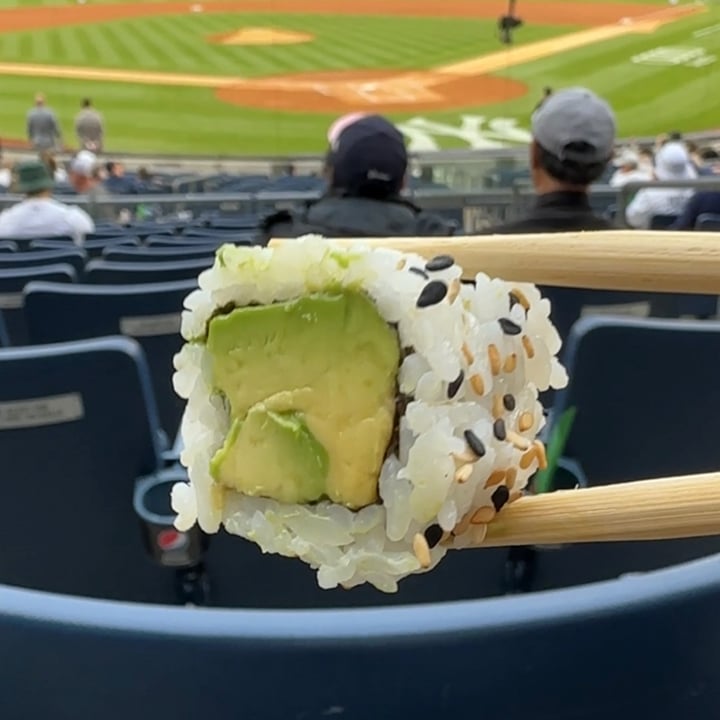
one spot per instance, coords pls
(89, 127)
(43, 129)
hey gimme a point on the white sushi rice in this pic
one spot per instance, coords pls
(418, 485)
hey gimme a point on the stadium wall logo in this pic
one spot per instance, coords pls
(478, 131)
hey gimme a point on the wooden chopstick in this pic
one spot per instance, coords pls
(662, 509)
(645, 261)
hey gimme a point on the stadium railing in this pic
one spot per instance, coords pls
(473, 211)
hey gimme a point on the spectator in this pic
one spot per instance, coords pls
(573, 142)
(704, 160)
(701, 203)
(366, 168)
(86, 180)
(672, 164)
(89, 128)
(646, 161)
(58, 174)
(628, 170)
(5, 173)
(39, 215)
(117, 182)
(43, 130)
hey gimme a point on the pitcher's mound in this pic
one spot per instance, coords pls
(261, 36)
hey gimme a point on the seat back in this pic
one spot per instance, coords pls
(12, 283)
(646, 395)
(157, 254)
(638, 647)
(74, 256)
(93, 248)
(149, 313)
(185, 242)
(112, 273)
(4, 337)
(78, 425)
(708, 222)
(662, 222)
(568, 305)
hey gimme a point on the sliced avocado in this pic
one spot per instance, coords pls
(294, 463)
(326, 362)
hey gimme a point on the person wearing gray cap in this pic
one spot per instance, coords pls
(573, 141)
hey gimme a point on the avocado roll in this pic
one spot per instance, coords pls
(360, 409)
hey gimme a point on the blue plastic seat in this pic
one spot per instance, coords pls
(646, 394)
(638, 415)
(150, 313)
(12, 283)
(71, 255)
(708, 222)
(662, 222)
(217, 234)
(5, 342)
(112, 273)
(78, 426)
(185, 242)
(93, 248)
(244, 221)
(157, 253)
(24, 243)
(8, 246)
(640, 647)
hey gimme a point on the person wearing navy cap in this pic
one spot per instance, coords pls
(365, 170)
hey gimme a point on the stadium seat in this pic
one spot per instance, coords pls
(247, 221)
(244, 184)
(639, 647)
(180, 242)
(224, 235)
(74, 256)
(630, 391)
(708, 222)
(149, 313)
(24, 243)
(112, 273)
(8, 246)
(94, 248)
(5, 339)
(12, 283)
(662, 222)
(83, 428)
(157, 254)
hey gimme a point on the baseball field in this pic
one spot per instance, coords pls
(252, 77)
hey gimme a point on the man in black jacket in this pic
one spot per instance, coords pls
(573, 142)
(365, 170)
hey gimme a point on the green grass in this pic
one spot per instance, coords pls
(181, 44)
(143, 118)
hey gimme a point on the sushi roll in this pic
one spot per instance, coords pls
(358, 408)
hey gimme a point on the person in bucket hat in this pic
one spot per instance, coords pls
(39, 215)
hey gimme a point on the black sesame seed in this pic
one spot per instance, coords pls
(440, 262)
(499, 429)
(433, 293)
(419, 271)
(454, 386)
(474, 443)
(509, 402)
(433, 535)
(500, 497)
(509, 327)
